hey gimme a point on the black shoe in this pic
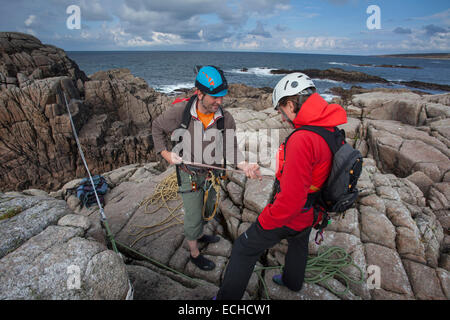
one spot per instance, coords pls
(203, 263)
(209, 239)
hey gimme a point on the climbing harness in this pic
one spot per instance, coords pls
(329, 263)
(103, 220)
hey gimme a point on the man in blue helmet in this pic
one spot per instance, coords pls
(200, 118)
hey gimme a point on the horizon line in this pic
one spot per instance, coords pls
(275, 52)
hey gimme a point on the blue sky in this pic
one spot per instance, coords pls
(321, 26)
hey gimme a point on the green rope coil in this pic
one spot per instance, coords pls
(329, 263)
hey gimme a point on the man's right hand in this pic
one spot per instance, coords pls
(171, 157)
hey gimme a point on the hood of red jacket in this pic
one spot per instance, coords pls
(317, 112)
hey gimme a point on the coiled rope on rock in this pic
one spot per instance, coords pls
(330, 262)
(166, 191)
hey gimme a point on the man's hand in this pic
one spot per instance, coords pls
(171, 157)
(251, 170)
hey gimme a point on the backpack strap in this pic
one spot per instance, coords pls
(221, 127)
(185, 120)
(187, 113)
(334, 139)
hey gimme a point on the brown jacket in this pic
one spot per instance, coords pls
(203, 145)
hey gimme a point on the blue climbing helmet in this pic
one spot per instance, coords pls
(211, 80)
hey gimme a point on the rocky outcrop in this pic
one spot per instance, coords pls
(25, 59)
(418, 139)
(45, 254)
(424, 85)
(336, 74)
(397, 66)
(112, 112)
(407, 135)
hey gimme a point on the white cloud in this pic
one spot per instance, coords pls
(138, 42)
(248, 45)
(30, 20)
(316, 43)
(166, 38)
(126, 39)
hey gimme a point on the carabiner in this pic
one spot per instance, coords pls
(321, 237)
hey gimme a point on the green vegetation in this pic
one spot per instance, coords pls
(6, 213)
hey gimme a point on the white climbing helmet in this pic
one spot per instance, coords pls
(291, 85)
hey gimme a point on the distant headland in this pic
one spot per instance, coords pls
(441, 56)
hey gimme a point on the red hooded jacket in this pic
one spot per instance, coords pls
(307, 166)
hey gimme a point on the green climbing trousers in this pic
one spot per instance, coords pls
(193, 203)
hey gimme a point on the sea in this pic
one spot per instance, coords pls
(168, 71)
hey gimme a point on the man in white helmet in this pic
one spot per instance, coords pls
(303, 167)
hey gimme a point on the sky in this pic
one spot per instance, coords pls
(303, 26)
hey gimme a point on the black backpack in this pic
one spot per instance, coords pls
(339, 192)
(86, 194)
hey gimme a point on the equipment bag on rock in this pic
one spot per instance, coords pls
(86, 194)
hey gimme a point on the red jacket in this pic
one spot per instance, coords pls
(308, 163)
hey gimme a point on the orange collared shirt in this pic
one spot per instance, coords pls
(205, 118)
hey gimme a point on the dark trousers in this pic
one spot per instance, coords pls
(251, 245)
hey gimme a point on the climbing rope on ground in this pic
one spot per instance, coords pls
(103, 220)
(165, 191)
(330, 262)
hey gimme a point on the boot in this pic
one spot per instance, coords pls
(203, 263)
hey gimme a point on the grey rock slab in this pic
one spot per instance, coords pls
(221, 248)
(393, 275)
(258, 193)
(377, 228)
(235, 192)
(75, 220)
(424, 281)
(348, 223)
(308, 291)
(151, 285)
(37, 214)
(44, 267)
(212, 276)
(444, 278)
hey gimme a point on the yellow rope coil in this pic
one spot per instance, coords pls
(165, 191)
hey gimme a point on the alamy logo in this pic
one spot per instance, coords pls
(373, 21)
(74, 279)
(74, 20)
(374, 278)
(257, 146)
